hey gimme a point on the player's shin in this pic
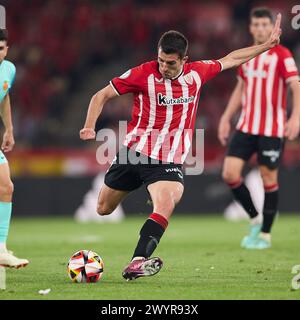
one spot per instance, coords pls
(270, 207)
(5, 214)
(150, 235)
(242, 195)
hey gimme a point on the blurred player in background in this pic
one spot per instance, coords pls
(261, 90)
(7, 76)
(166, 95)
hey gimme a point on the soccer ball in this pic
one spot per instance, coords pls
(85, 266)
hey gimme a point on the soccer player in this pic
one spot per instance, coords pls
(166, 95)
(7, 75)
(261, 90)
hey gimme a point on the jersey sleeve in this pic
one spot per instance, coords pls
(207, 69)
(288, 67)
(129, 82)
(13, 74)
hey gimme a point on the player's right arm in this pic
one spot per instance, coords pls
(238, 57)
(129, 82)
(95, 108)
(233, 105)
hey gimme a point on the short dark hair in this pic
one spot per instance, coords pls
(173, 42)
(261, 12)
(3, 35)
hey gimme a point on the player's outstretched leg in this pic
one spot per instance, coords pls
(7, 258)
(165, 195)
(141, 265)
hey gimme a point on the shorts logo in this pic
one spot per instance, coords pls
(272, 154)
(179, 172)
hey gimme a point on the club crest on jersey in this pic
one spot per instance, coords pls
(268, 59)
(164, 101)
(189, 78)
(5, 85)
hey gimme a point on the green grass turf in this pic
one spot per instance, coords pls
(202, 260)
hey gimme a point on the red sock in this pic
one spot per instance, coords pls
(161, 220)
(150, 234)
(271, 188)
(235, 184)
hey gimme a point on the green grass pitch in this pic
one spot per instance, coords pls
(201, 254)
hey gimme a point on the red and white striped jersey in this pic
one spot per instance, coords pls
(164, 111)
(264, 95)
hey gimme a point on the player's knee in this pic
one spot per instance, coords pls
(103, 209)
(268, 177)
(230, 176)
(165, 207)
(6, 189)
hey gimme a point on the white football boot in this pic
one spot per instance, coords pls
(7, 259)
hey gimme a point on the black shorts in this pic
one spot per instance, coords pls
(268, 149)
(128, 177)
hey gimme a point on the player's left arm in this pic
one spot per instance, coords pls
(238, 57)
(292, 127)
(8, 141)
